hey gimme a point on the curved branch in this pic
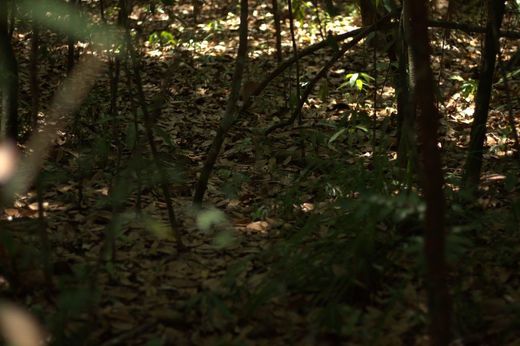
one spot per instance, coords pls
(325, 69)
(381, 25)
(469, 29)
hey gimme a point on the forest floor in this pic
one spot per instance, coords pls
(271, 197)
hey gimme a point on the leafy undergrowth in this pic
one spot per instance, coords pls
(311, 235)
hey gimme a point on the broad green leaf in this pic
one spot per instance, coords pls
(359, 84)
(353, 78)
(336, 135)
(362, 128)
(208, 218)
(457, 78)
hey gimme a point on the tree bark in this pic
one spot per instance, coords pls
(33, 69)
(473, 166)
(407, 152)
(277, 30)
(71, 40)
(368, 11)
(8, 79)
(439, 300)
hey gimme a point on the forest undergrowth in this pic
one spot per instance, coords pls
(311, 234)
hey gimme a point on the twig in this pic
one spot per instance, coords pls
(470, 29)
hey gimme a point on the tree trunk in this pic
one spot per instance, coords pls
(71, 41)
(8, 79)
(277, 30)
(407, 152)
(231, 112)
(368, 11)
(439, 301)
(473, 167)
(33, 74)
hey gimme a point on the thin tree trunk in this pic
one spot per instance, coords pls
(439, 300)
(71, 53)
(277, 30)
(35, 90)
(510, 110)
(295, 54)
(407, 139)
(368, 11)
(12, 17)
(148, 127)
(473, 166)
(8, 78)
(232, 110)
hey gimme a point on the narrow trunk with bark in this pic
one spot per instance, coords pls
(8, 78)
(473, 164)
(439, 301)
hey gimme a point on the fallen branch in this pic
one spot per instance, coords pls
(470, 29)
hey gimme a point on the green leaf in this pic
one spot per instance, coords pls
(457, 78)
(336, 135)
(366, 76)
(362, 128)
(153, 38)
(359, 84)
(224, 239)
(353, 78)
(167, 38)
(156, 227)
(208, 218)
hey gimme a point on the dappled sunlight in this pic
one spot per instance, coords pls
(184, 190)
